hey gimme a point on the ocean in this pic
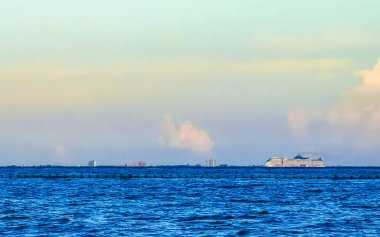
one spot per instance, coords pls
(189, 201)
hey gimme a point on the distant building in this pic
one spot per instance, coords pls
(210, 163)
(137, 164)
(92, 163)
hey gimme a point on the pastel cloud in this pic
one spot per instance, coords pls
(361, 104)
(60, 150)
(298, 122)
(185, 135)
(356, 114)
(371, 78)
(62, 155)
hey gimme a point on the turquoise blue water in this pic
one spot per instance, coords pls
(249, 201)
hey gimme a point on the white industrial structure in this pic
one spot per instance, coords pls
(92, 163)
(137, 164)
(210, 163)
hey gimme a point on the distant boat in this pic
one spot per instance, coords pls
(297, 161)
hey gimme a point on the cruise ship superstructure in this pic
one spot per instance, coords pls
(297, 161)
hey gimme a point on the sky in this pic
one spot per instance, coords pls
(177, 82)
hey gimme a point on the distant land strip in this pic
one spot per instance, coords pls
(186, 176)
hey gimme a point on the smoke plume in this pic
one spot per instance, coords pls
(185, 135)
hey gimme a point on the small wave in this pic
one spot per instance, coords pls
(287, 232)
(131, 197)
(20, 227)
(147, 218)
(315, 191)
(207, 217)
(261, 201)
(273, 220)
(248, 201)
(98, 194)
(243, 232)
(73, 204)
(9, 211)
(241, 200)
(263, 212)
(247, 216)
(64, 220)
(9, 218)
(241, 186)
(363, 207)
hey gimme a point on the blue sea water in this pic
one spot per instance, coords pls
(250, 201)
